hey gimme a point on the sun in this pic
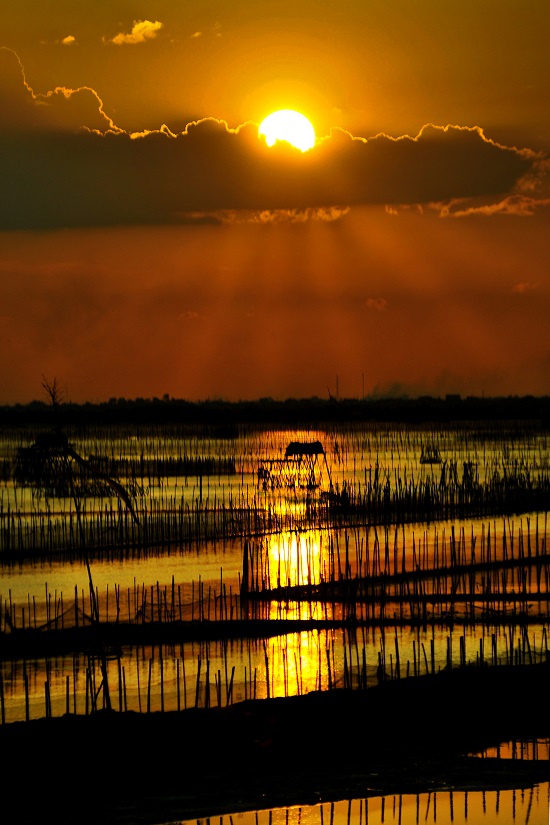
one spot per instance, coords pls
(290, 126)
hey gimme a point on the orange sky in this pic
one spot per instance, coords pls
(150, 243)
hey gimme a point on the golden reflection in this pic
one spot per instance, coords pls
(295, 559)
(301, 663)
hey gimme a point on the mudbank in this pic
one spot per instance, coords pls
(404, 736)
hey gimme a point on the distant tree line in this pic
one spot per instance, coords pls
(225, 416)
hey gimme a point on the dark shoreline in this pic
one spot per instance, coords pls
(407, 736)
(222, 418)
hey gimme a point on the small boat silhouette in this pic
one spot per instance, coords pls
(430, 455)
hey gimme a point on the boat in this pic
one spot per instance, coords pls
(430, 455)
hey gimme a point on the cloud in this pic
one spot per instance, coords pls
(215, 31)
(65, 162)
(268, 216)
(511, 205)
(24, 111)
(142, 30)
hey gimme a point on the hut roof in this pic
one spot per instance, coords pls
(298, 448)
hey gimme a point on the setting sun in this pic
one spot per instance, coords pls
(290, 126)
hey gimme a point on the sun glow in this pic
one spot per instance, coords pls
(290, 126)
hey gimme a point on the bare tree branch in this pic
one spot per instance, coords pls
(53, 391)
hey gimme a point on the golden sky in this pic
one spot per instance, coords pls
(151, 243)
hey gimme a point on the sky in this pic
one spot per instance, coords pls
(151, 243)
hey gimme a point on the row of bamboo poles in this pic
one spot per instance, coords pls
(378, 603)
(111, 527)
(366, 574)
(138, 605)
(171, 521)
(206, 675)
(430, 579)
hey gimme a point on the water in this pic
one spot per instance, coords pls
(201, 580)
(219, 672)
(292, 557)
(510, 807)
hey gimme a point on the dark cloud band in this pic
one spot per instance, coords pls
(60, 177)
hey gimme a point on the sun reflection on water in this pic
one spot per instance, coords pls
(295, 559)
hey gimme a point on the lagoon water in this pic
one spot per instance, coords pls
(529, 806)
(201, 581)
(196, 576)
